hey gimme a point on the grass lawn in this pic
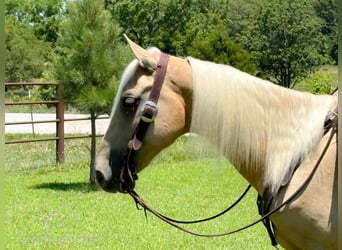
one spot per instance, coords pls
(52, 206)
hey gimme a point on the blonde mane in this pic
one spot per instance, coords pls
(256, 124)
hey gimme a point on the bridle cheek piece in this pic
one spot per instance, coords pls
(148, 113)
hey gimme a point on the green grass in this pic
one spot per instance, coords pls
(52, 206)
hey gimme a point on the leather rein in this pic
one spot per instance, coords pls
(128, 174)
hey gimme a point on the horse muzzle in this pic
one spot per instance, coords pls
(117, 179)
(106, 181)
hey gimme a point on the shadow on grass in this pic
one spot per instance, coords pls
(67, 187)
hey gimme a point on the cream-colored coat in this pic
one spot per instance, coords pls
(261, 128)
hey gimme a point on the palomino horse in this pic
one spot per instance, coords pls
(272, 135)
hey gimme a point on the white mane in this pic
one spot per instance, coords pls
(256, 124)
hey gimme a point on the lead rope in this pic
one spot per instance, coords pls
(139, 201)
(142, 203)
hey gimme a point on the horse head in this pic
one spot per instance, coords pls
(172, 120)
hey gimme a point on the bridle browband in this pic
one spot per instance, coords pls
(148, 112)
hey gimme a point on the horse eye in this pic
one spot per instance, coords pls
(130, 102)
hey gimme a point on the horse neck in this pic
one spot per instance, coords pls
(263, 129)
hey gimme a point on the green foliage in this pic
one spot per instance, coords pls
(90, 57)
(241, 14)
(320, 82)
(26, 56)
(31, 31)
(43, 16)
(192, 27)
(285, 40)
(168, 25)
(327, 11)
(47, 93)
(215, 45)
(92, 98)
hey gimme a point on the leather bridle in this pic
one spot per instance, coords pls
(148, 113)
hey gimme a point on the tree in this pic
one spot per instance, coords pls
(89, 60)
(215, 45)
(327, 11)
(26, 56)
(31, 30)
(182, 27)
(241, 13)
(285, 40)
(43, 16)
(168, 25)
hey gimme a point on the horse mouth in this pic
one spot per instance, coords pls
(110, 186)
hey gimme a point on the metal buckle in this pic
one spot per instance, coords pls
(148, 111)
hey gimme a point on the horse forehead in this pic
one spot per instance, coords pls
(144, 81)
(137, 86)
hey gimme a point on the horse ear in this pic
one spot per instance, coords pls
(144, 57)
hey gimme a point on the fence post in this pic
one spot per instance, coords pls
(60, 125)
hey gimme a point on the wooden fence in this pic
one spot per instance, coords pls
(59, 121)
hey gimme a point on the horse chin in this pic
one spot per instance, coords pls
(110, 189)
(110, 186)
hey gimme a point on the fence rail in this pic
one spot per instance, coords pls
(58, 102)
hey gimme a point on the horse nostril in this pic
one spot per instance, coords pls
(100, 177)
(108, 185)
